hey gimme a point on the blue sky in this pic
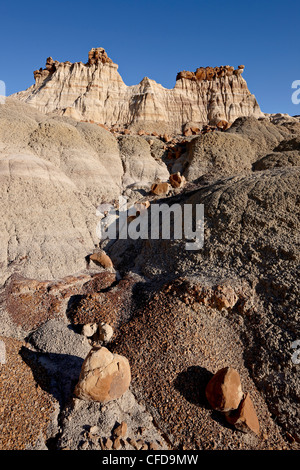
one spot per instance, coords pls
(158, 39)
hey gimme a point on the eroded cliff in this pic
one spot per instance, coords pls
(95, 91)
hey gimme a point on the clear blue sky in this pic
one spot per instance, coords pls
(157, 39)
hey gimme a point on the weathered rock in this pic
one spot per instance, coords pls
(89, 329)
(223, 125)
(244, 418)
(30, 303)
(218, 94)
(177, 180)
(218, 153)
(117, 443)
(277, 160)
(102, 258)
(138, 163)
(224, 390)
(262, 135)
(104, 376)
(160, 189)
(112, 307)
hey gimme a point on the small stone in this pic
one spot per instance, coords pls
(102, 258)
(244, 418)
(121, 430)
(290, 437)
(153, 446)
(89, 329)
(136, 444)
(94, 430)
(166, 138)
(104, 376)
(139, 443)
(160, 189)
(224, 390)
(101, 444)
(176, 180)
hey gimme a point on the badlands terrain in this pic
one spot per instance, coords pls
(116, 345)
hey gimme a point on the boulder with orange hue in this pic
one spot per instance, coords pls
(186, 74)
(229, 70)
(210, 73)
(98, 55)
(224, 390)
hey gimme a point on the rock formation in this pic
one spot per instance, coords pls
(104, 376)
(95, 91)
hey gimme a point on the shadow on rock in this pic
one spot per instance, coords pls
(57, 374)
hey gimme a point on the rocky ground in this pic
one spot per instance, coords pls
(177, 316)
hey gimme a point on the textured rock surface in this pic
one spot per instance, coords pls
(26, 304)
(173, 345)
(160, 189)
(102, 258)
(262, 134)
(104, 376)
(277, 160)
(92, 426)
(95, 91)
(139, 166)
(45, 225)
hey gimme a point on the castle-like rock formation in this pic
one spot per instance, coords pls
(95, 91)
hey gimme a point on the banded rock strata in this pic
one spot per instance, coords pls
(95, 91)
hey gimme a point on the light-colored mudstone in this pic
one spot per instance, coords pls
(102, 258)
(244, 418)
